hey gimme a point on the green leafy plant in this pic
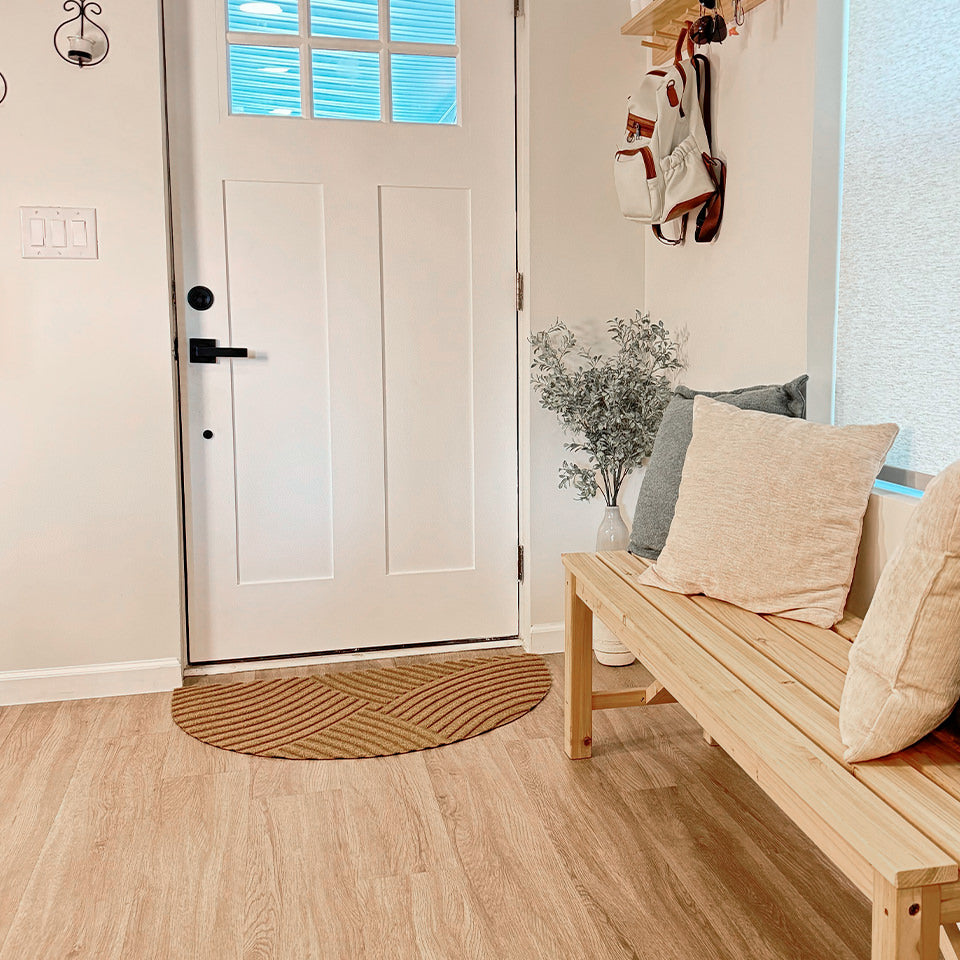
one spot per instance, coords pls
(612, 405)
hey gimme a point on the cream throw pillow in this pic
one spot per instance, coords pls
(770, 511)
(904, 674)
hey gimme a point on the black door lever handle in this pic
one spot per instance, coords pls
(207, 351)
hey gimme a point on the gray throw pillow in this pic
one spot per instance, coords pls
(661, 482)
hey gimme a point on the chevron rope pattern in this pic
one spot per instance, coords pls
(363, 713)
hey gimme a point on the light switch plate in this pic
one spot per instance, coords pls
(59, 233)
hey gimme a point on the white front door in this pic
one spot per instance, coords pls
(343, 184)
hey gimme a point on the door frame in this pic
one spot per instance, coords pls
(522, 213)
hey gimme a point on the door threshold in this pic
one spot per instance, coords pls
(342, 656)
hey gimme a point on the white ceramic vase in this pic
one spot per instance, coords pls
(612, 535)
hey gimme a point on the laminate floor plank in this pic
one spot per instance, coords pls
(767, 835)
(631, 890)
(9, 720)
(122, 837)
(311, 904)
(530, 904)
(37, 761)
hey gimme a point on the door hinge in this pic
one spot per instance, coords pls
(519, 291)
(520, 562)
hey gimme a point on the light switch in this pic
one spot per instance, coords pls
(64, 233)
(58, 233)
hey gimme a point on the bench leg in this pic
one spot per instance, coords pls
(578, 673)
(906, 923)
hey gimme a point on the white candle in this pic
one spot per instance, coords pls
(80, 48)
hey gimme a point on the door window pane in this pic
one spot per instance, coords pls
(346, 85)
(265, 81)
(263, 16)
(423, 21)
(424, 89)
(345, 18)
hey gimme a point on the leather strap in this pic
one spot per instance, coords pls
(702, 65)
(684, 35)
(711, 213)
(658, 233)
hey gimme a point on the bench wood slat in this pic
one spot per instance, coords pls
(848, 627)
(849, 822)
(821, 676)
(895, 780)
(937, 757)
(833, 646)
(825, 643)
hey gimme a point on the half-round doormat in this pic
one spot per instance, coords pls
(363, 713)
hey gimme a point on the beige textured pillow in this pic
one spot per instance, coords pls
(904, 674)
(770, 511)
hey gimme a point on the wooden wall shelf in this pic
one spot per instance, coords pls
(659, 22)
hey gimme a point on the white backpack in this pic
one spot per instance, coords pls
(664, 168)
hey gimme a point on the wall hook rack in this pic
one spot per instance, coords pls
(80, 40)
(660, 22)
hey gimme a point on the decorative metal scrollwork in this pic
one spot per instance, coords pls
(81, 40)
(3, 88)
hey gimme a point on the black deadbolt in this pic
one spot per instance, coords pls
(207, 434)
(200, 298)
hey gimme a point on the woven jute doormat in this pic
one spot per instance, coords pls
(363, 713)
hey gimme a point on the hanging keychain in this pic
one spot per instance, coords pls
(709, 28)
(738, 18)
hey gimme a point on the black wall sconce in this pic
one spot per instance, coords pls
(81, 40)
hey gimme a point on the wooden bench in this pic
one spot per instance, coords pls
(768, 691)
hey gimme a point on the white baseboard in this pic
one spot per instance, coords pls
(90, 680)
(546, 638)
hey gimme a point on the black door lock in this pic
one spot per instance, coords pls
(200, 298)
(206, 351)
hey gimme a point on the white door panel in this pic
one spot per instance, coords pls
(359, 488)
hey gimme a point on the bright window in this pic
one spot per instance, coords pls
(898, 348)
(265, 81)
(342, 60)
(424, 88)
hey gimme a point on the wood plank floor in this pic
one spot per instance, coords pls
(122, 837)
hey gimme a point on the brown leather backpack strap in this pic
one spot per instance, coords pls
(702, 65)
(675, 242)
(684, 35)
(711, 214)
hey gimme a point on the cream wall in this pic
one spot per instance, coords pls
(584, 263)
(89, 565)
